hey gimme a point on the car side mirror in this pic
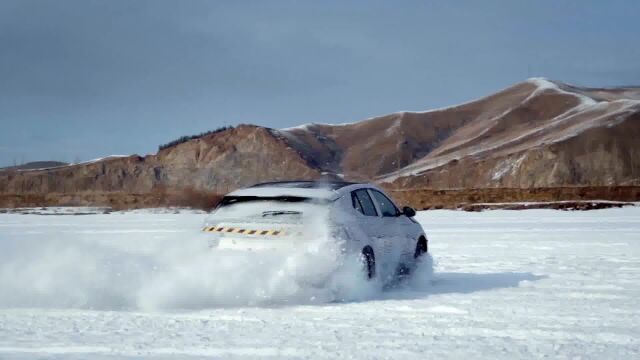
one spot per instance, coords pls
(408, 212)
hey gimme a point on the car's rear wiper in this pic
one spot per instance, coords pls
(280, 212)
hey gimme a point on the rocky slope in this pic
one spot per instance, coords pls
(537, 133)
(218, 163)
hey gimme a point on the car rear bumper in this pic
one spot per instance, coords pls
(257, 236)
(256, 244)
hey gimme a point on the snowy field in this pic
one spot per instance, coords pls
(505, 285)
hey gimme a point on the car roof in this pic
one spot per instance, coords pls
(329, 190)
(306, 184)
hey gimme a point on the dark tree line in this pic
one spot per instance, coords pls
(184, 139)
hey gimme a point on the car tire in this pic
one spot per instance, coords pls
(369, 262)
(421, 248)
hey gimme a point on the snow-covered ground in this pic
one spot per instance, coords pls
(506, 285)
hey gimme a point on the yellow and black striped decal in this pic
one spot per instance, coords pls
(233, 230)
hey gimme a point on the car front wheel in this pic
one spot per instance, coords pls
(421, 248)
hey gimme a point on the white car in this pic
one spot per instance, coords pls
(287, 214)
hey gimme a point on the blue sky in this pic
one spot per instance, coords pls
(83, 79)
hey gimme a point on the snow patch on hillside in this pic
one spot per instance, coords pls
(93, 161)
(110, 157)
(543, 84)
(508, 165)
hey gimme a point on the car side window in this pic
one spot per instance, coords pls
(365, 202)
(356, 203)
(385, 204)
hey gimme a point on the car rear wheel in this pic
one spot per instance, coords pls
(421, 248)
(369, 262)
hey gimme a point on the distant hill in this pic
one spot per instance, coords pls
(534, 134)
(36, 165)
(537, 133)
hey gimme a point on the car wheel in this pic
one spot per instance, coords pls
(369, 262)
(421, 248)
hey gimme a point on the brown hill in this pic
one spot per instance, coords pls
(537, 133)
(218, 162)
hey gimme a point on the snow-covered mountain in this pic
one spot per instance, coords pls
(535, 133)
(538, 133)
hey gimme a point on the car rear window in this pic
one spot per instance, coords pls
(232, 200)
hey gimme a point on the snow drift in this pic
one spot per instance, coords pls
(128, 268)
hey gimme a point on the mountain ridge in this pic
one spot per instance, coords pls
(519, 106)
(536, 133)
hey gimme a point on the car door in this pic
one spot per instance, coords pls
(368, 218)
(396, 241)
